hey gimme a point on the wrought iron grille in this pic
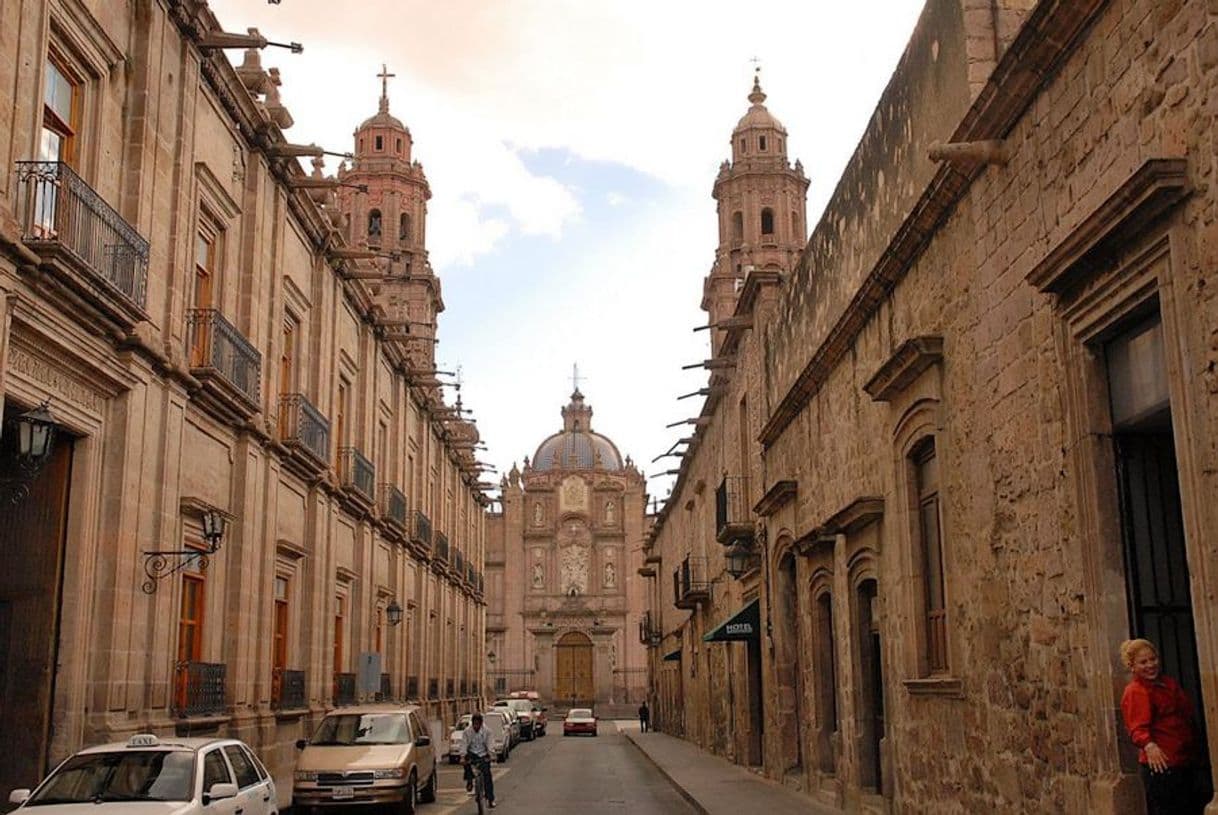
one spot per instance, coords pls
(732, 516)
(302, 426)
(439, 549)
(448, 689)
(393, 505)
(344, 689)
(56, 206)
(358, 472)
(287, 689)
(458, 563)
(433, 688)
(200, 688)
(420, 528)
(216, 346)
(412, 687)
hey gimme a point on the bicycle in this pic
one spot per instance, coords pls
(479, 765)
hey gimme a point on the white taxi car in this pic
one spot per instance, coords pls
(146, 774)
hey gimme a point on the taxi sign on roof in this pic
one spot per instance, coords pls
(143, 740)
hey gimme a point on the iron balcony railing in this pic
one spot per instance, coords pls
(439, 549)
(471, 575)
(690, 585)
(412, 687)
(393, 505)
(303, 427)
(357, 472)
(433, 688)
(480, 584)
(200, 688)
(733, 521)
(56, 207)
(458, 564)
(218, 348)
(287, 689)
(386, 691)
(344, 689)
(420, 527)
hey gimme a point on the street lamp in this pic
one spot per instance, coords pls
(394, 612)
(160, 563)
(740, 559)
(35, 440)
(213, 529)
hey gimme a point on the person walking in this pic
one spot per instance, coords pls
(644, 717)
(476, 744)
(1159, 718)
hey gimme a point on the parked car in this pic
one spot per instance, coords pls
(523, 708)
(513, 722)
(367, 754)
(455, 751)
(147, 774)
(497, 723)
(579, 720)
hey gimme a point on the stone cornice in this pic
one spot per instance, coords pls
(777, 496)
(1047, 37)
(855, 515)
(905, 365)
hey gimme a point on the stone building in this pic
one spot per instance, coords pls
(214, 337)
(963, 445)
(563, 598)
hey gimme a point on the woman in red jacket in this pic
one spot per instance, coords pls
(1159, 718)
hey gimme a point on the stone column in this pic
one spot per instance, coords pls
(544, 643)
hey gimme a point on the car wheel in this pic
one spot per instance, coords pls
(428, 793)
(409, 797)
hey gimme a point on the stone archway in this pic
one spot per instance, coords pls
(573, 666)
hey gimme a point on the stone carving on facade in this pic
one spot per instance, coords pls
(610, 575)
(539, 575)
(573, 566)
(610, 512)
(574, 495)
(539, 513)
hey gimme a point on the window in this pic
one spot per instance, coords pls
(340, 623)
(205, 266)
(926, 480)
(404, 227)
(215, 770)
(247, 776)
(744, 145)
(767, 221)
(795, 231)
(287, 357)
(190, 622)
(378, 143)
(780, 145)
(374, 225)
(761, 143)
(378, 630)
(279, 647)
(737, 226)
(399, 146)
(60, 115)
(340, 413)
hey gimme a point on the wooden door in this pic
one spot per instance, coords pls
(573, 669)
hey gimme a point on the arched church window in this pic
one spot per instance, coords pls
(380, 143)
(404, 227)
(761, 143)
(744, 145)
(374, 224)
(780, 145)
(767, 221)
(399, 146)
(737, 226)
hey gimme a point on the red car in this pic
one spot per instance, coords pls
(579, 720)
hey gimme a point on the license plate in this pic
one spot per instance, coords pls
(341, 793)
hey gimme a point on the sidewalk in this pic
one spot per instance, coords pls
(715, 786)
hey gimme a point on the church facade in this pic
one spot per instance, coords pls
(563, 598)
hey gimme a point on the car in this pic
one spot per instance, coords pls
(579, 720)
(187, 776)
(513, 722)
(366, 754)
(524, 711)
(497, 723)
(455, 751)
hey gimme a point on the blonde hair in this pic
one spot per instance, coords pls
(1130, 649)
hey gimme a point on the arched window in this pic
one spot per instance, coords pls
(737, 226)
(374, 225)
(767, 221)
(926, 484)
(761, 143)
(744, 145)
(404, 227)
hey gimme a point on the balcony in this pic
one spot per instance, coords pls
(733, 519)
(433, 688)
(82, 240)
(649, 632)
(357, 475)
(412, 687)
(288, 690)
(344, 689)
(420, 532)
(458, 565)
(689, 583)
(471, 575)
(200, 689)
(229, 367)
(304, 431)
(393, 506)
(439, 552)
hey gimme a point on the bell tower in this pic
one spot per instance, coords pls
(391, 217)
(761, 203)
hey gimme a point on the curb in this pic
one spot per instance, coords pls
(684, 792)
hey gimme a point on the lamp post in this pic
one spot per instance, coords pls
(394, 612)
(35, 440)
(160, 563)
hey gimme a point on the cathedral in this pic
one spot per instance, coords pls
(564, 598)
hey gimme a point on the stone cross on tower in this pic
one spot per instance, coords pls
(385, 76)
(575, 377)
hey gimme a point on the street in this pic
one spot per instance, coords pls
(575, 774)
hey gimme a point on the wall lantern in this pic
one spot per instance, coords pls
(35, 439)
(160, 563)
(394, 612)
(490, 657)
(740, 559)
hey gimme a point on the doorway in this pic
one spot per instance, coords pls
(789, 691)
(756, 697)
(32, 542)
(871, 690)
(573, 669)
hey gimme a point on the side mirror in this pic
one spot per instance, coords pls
(423, 741)
(19, 796)
(302, 743)
(219, 792)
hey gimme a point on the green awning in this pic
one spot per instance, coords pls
(745, 624)
(674, 656)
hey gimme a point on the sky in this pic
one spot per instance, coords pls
(571, 146)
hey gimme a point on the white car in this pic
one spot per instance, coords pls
(146, 774)
(455, 751)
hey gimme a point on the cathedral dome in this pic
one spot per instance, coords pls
(758, 116)
(577, 447)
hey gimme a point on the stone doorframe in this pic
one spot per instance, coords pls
(1117, 266)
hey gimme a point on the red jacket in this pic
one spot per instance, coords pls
(1161, 712)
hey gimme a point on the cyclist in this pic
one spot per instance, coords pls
(476, 741)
